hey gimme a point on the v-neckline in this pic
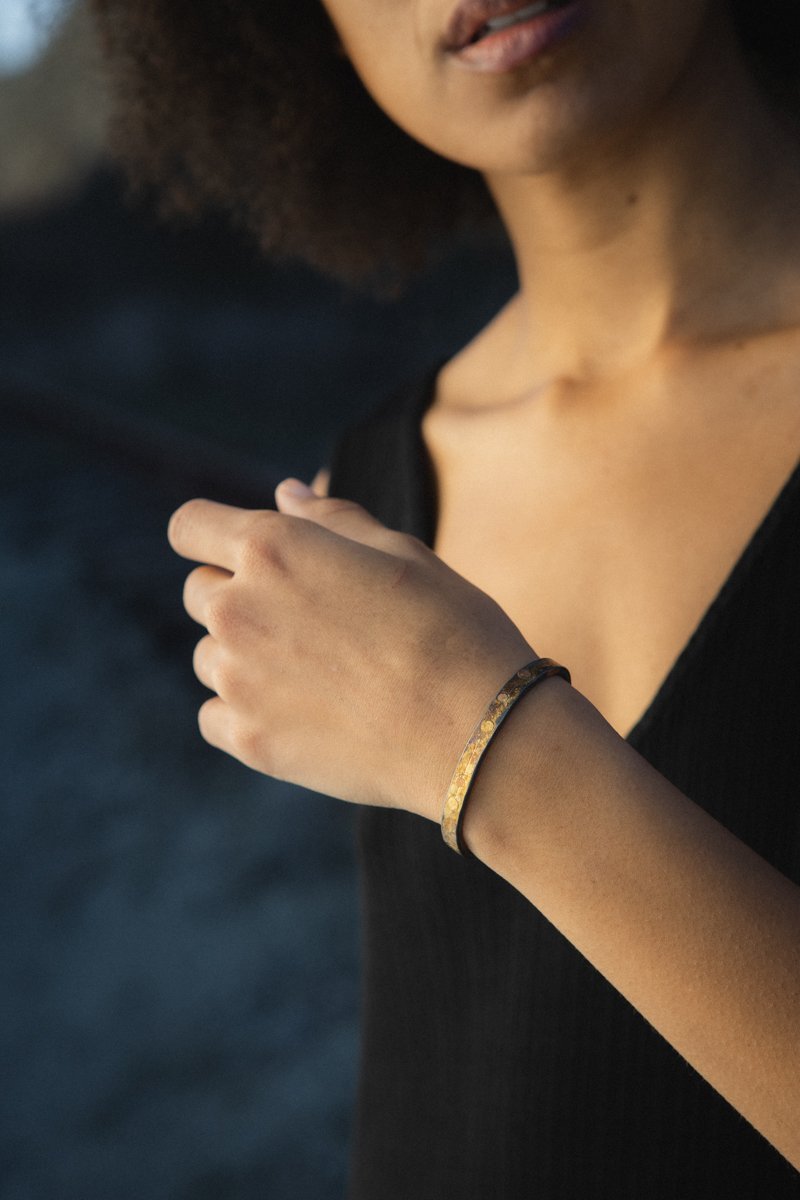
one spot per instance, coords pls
(422, 491)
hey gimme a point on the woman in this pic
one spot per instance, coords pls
(609, 477)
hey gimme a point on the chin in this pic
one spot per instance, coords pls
(548, 131)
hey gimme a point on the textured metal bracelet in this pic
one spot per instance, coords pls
(455, 801)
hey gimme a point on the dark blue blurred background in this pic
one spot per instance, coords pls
(180, 935)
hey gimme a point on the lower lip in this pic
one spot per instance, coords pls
(520, 44)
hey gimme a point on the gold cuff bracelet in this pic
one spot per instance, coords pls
(464, 774)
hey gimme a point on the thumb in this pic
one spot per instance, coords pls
(344, 517)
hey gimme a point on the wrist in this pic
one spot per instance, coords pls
(513, 802)
(525, 678)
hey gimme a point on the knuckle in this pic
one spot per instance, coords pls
(417, 547)
(261, 546)
(221, 615)
(408, 567)
(402, 573)
(250, 746)
(406, 545)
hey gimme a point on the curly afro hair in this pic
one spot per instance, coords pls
(247, 106)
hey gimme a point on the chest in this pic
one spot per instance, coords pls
(608, 545)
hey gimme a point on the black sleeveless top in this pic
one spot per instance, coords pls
(497, 1064)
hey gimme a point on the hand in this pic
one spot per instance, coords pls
(345, 657)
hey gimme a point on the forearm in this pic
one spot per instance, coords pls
(693, 927)
(697, 931)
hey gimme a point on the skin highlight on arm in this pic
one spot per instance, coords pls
(687, 922)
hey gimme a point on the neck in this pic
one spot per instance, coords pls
(677, 233)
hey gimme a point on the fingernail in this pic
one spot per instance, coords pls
(294, 487)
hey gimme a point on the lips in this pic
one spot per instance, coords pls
(471, 16)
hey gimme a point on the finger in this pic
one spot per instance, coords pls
(321, 483)
(214, 721)
(202, 584)
(221, 728)
(344, 517)
(204, 662)
(208, 532)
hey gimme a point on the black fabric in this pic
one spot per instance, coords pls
(496, 1062)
